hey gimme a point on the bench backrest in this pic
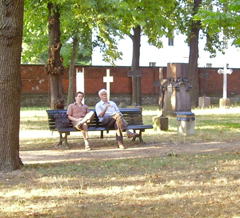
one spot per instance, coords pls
(133, 116)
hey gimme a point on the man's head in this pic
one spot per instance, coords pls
(102, 91)
(103, 95)
(79, 93)
(79, 97)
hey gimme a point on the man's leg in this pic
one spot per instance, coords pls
(87, 119)
(122, 126)
(85, 136)
(118, 125)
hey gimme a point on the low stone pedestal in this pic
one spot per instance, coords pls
(185, 123)
(204, 102)
(160, 123)
(224, 102)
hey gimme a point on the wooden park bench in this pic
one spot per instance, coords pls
(133, 116)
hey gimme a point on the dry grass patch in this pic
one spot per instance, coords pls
(170, 186)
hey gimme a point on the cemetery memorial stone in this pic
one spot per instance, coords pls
(204, 101)
(224, 101)
(160, 122)
(185, 123)
(177, 101)
(80, 81)
(136, 75)
(108, 79)
(177, 96)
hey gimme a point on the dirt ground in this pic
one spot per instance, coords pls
(77, 153)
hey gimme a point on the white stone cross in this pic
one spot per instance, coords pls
(225, 71)
(108, 79)
(80, 81)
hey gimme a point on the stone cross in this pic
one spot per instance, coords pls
(80, 81)
(108, 79)
(225, 71)
(160, 83)
(204, 75)
(136, 84)
(134, 73)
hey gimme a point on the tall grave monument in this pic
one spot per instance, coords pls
(177, 100)
(160, 122)
(177, 96)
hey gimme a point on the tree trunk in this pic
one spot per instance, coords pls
(54, 67)
(71, 72)
(193, 57)
(11, 26)
(136, 81)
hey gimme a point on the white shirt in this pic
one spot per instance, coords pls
(100, 106)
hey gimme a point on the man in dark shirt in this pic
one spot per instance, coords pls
(80, 116)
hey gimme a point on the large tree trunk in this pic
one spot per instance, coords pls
(193, 57)
(136, 80)
(71, 72)
(11, 26)
(54, 67)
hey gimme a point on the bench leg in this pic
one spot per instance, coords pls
(139, 136)
(63, 140)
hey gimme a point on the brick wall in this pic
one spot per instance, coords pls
(36, 83)
(214, 83)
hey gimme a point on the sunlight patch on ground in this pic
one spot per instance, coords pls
(215, 111)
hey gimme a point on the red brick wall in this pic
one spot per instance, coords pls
(214, 83)
(35, 81)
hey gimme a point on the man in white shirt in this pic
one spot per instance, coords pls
(108, 113)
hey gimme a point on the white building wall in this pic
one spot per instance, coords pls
(178, 53)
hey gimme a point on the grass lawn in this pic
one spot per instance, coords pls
(174, 185)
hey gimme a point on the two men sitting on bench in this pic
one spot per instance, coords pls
(108, 113)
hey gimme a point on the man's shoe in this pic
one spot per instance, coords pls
(87, 148)
(121, 146)
(131, 134)
(79, 126)
(87, 119)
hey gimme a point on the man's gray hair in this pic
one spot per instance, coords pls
(102, 90)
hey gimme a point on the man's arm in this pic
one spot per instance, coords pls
(101, 112)
(70, 113)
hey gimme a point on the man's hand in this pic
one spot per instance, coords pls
(78, 119)
(107, 105)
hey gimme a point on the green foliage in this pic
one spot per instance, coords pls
(221, 17)
(35, 38)
(210, 10)
(156, 18)
(35, 32)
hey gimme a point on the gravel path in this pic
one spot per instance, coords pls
(78, 153)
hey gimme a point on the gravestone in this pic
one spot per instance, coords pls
(136, 82)
(177, 101)
(160, 122)
(204, 101)
(177, 96)
(224, 101)
(182, 95)
(108, 79)
(136, 75)
(80, 81)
